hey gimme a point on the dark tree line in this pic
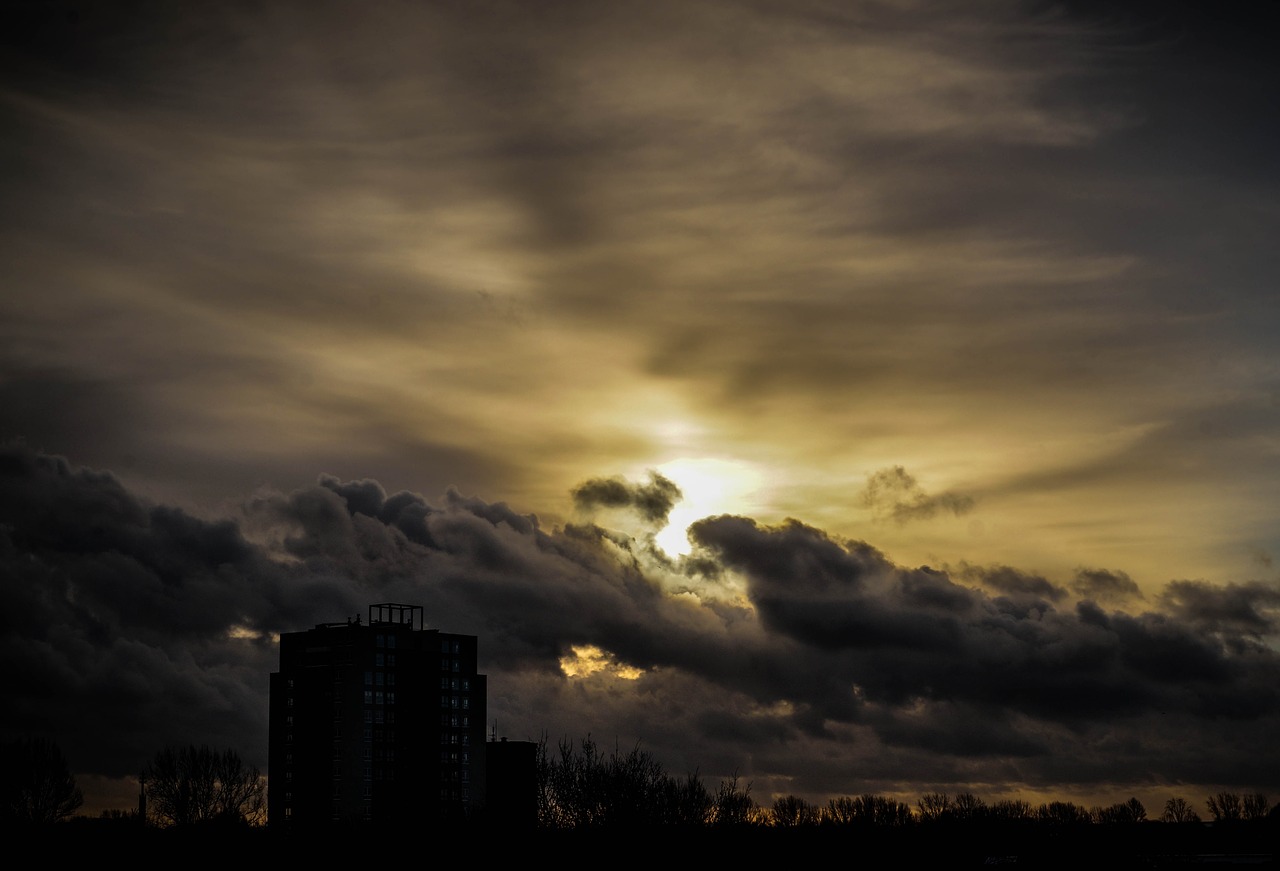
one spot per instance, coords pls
(183, 787)
(933, 808)
(581, 786)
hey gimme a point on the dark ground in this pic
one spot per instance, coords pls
(1148, 845)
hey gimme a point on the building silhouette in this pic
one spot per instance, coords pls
(377, 721)
(511, 785)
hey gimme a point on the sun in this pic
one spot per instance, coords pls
(709, 486)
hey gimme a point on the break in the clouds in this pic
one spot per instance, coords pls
(805, 662)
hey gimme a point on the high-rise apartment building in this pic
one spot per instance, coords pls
(375, 721)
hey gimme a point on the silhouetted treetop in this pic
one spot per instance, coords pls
(36, 785)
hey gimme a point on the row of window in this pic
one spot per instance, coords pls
(382, 735)
(383, 773)
(446, 794)
(371, 714)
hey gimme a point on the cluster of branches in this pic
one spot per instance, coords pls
(581, 786)
(938, 807)
(36, 785)
(192, 785)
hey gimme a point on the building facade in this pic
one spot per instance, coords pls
(375, 721)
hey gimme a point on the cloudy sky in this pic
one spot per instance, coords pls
(946, 330)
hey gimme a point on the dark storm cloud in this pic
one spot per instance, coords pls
(652, 501)
(951, 644)
(129, 625)
(1249, 609)
(117, 613)
(1006, 579)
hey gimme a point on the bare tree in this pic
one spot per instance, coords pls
(190, 785)
(36, 784)
(1011, 809)
(934, 807)
(1255, 806)
(887, 812)
(584, 787)
(791, 811)
(685, 802)
(1130, 811)
(841, 811)
(1178, 810)
(879, 811)
(734, 805)
(1225, 807)
(1063, 813)
(968, 807)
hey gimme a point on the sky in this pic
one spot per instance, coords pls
(847, 396)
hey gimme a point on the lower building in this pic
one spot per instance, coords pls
(511, 791)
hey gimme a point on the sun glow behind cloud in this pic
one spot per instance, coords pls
(709, 486)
